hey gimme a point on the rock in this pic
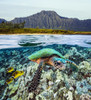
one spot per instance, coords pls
(84, 65)
(69, 95)
(2, 82)
(71, 89)
(48, 75)
(74, 55)
(59, 75)
(83, 87)
(30, 96)
(46, 95)
(85, 97)
(12, 89)
(2, 70)
(50, 83)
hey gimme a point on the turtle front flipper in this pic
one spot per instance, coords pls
(36, 79)
(71, 62)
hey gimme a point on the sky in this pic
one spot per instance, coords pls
(10, 9)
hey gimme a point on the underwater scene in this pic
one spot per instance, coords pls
(45, 67)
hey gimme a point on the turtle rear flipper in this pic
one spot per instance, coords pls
(36, 79)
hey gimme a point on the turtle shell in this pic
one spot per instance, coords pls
(46, 52)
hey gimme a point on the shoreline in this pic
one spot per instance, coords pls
(75, 33)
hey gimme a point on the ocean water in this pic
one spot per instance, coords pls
(51, 83)
(13, 41)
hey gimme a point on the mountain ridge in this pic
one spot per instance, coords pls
(51, 20)
(2, 20)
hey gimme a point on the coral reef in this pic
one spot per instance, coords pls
(74, 55)
(54, 84)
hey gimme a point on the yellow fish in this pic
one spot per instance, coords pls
(9, 80)
(10, 69)
(17, 73)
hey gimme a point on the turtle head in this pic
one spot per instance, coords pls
(59, 63)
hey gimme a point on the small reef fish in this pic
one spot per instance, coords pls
(9, 81)
(14, 75)
(17, 73)
(10, 69)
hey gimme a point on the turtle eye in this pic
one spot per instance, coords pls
(57, 63)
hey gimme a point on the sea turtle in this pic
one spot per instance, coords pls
(51, 57)
(46, 56)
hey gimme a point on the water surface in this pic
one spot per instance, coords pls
(11, 41)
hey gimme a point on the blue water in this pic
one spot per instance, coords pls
(13, 41)
(14, 52)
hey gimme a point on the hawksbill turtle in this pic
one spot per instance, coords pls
(50, 57)
(47, 56)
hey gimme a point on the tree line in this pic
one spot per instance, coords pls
(10, 25)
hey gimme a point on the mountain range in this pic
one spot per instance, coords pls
(51, 20)
(2, 20)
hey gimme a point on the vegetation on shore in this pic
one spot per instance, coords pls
(10, 28)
